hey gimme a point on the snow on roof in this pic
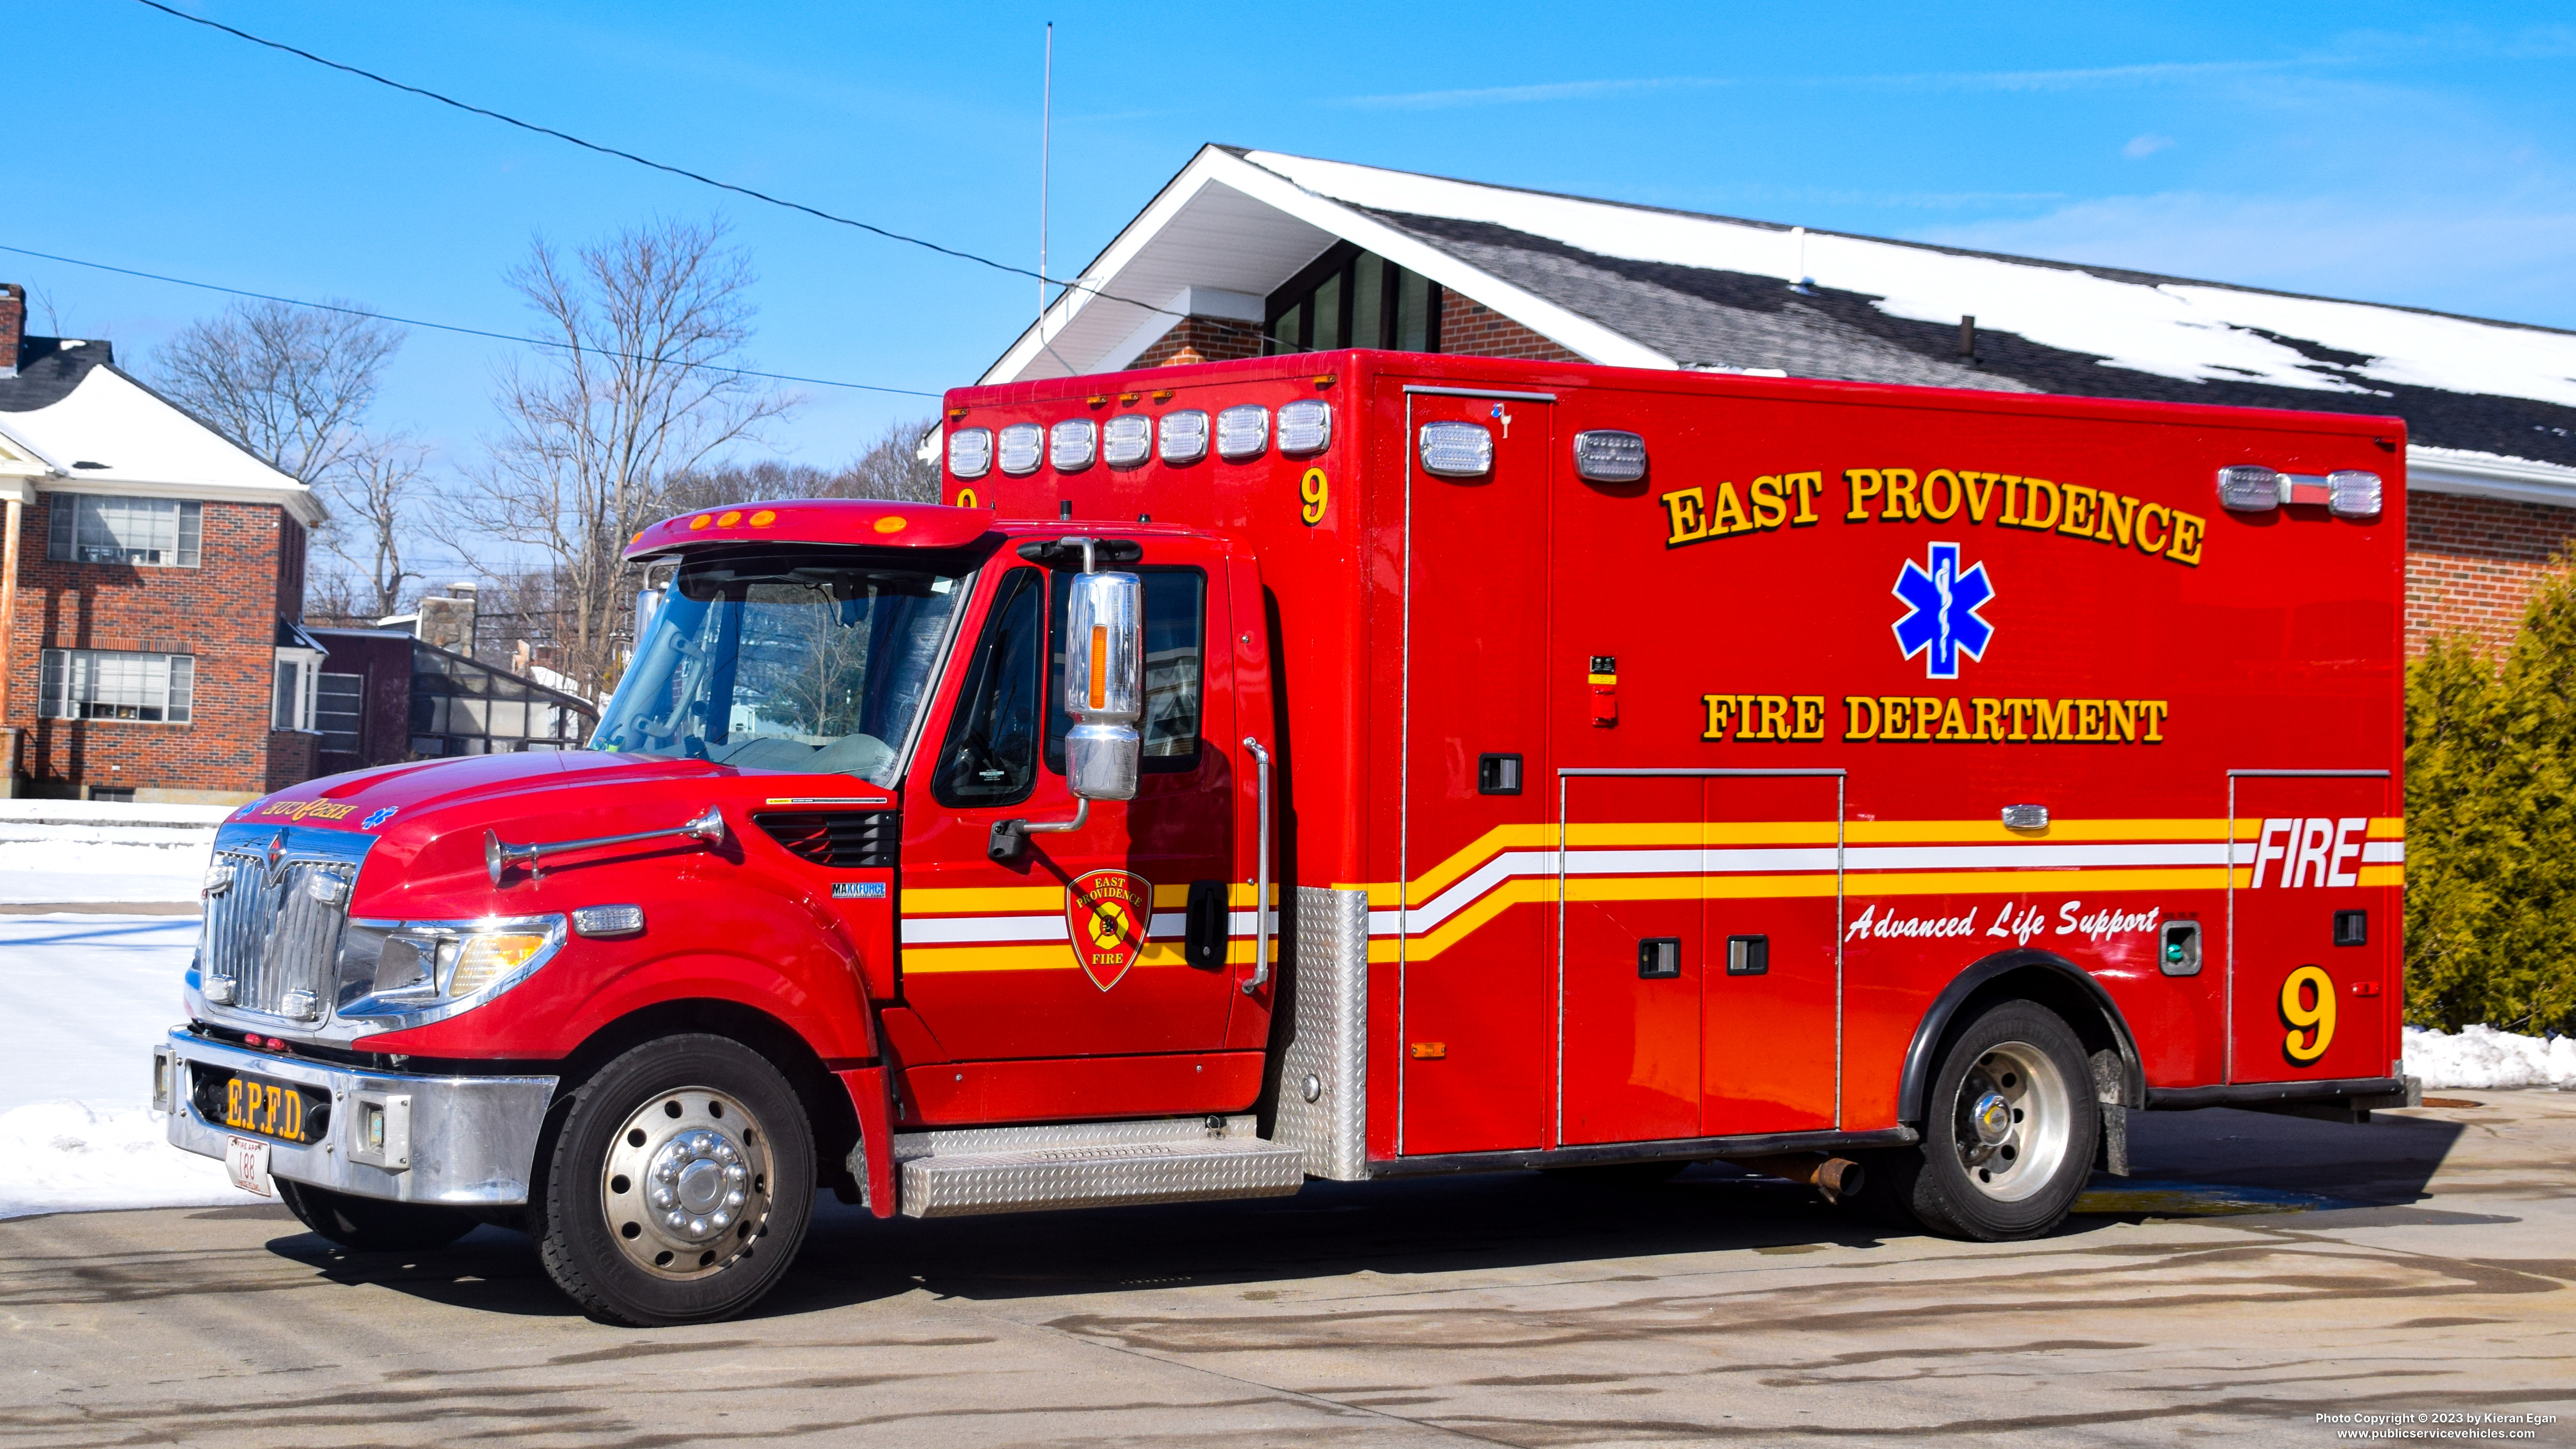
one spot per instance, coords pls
(111, 433)
(2169, 327)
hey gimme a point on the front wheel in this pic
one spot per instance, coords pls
(679, 1185)
(2009, 1132)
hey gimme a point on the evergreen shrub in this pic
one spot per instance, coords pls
(2491, 825)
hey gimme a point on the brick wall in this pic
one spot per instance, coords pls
(291, 758)
(1207, 339)
(1473, 329)
(2471, 564)
(223, 612)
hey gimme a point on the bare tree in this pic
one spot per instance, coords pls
(293, 385)
(290, 383)
(649, 325)
(375, 485)
(891, 468)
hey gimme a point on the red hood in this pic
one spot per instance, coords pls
(370, 800)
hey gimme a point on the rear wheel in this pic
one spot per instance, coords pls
(679, 1185)
(374, 1225)
(2009, 1131)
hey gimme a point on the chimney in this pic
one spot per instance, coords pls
(1968, 339)
(13, 326)
(449, 623)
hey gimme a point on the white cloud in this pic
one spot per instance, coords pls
(2141, 147)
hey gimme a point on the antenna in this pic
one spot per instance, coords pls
(1046, 128)
(1803, 284)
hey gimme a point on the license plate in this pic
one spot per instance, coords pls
(271, 1109)
(247, 1161)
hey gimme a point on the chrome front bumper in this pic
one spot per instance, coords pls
(470, 1141)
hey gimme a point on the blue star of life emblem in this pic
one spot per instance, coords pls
(1941, 621)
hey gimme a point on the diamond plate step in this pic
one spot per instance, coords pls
(1001, 1170)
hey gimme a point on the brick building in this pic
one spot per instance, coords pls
(1246, 252)
(151, 580)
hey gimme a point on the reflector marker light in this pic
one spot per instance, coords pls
(1127, 441)
(1457, 450)
(1021, 445)
(1099, 666)
(970, 452)
(1305, 426)
(1242, 432)
(1185, 436)
(1073, 444)
(608, 920)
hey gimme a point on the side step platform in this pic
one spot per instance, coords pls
(964, 1171)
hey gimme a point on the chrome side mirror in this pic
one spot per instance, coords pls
(1104, 684)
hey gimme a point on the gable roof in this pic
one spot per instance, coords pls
(2490, 405)
(94, 429)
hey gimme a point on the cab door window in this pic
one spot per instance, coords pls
(991, 754)
(1175, 670)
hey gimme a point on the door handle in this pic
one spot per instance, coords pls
(1261, 874)
(1205, 932)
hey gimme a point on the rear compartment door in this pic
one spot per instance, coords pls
(2313, 925)
(1478, 999)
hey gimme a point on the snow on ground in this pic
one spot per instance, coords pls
(86, 997)
(2481, 1056)
(82, 850)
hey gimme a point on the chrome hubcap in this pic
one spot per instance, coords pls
(2015, 1111)
(686, 1185)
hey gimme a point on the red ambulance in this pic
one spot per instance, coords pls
(1364, 764)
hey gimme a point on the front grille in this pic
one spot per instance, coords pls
(270, 935)
(841, 839)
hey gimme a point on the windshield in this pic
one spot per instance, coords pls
(811, 661)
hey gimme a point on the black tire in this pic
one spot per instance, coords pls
(734, 1202)
(1997, 1182)
(373, 1225)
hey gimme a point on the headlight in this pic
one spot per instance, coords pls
(424, 970)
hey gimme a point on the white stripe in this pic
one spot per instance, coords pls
(958, 930)
(1742, 860)
(2383, 852)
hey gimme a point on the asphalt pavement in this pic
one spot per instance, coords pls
(2257, 1273)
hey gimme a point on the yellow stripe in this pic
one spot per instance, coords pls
(2383, 875)
(2386, 828)
(1984, 832)
(942, 960)
(1023, 900)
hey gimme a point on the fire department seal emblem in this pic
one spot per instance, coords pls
(1106, 913)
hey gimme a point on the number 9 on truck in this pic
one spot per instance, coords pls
(2311, 1025)
(1316, 490)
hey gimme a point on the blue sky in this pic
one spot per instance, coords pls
(2418, 154)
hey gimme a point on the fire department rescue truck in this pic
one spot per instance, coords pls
(1356, 765)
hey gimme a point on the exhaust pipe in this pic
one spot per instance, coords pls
(1833, 1178)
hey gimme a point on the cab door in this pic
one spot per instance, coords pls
(2313, 918)
(1076, 947)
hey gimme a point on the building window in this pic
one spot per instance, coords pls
(339, 712)
(1351, 298)
(153, 532)
(111, 684)
(292, 704)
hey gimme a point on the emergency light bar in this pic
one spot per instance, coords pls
(1242, 432)
(970, 452)
(1305, 426)
(1457, 450)
(1072, 443)
(1127, 440)
(1185, 436)
(2346, 492)
(1021, 444)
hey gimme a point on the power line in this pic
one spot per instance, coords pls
(461, 331)
(680, 171)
